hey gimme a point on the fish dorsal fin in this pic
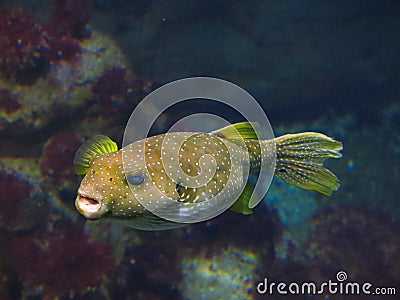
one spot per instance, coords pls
(238, 131)
(99, 144)
(241, 205)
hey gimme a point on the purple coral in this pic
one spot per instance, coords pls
(61, 261)
(27, 46)
(12, 193)
(112, 87)
(67, 25)
(23, 206)
(58, 154)
(23, 46)
(115, 87)
(365, 244)
(8, 102)
(70, 18)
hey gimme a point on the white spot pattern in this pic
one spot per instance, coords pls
(164, 192)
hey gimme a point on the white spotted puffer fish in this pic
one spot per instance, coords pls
(123, 184)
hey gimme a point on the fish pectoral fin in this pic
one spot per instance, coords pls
(241, 205)
(99, 144)
(238, 131)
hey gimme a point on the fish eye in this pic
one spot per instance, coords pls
(135, 177)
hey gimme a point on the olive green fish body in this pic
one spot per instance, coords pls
(166, 161)
(177, 175)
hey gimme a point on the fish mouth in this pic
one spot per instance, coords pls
(89, 207)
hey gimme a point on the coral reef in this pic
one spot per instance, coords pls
(293, 208)
(65, 90)
(58, 66)
(23, 203)
(70, 18)
(359, 241)
(116, 89)
(151, 269)
(55, 73)
(13, 192)
(64, 49)
(64, 145)
(293, 205)
(24, 48)
(225, 275)
(29, 48)
(62, 260)
(10, 288)
(8, 102)
(47, 254)
(112, 86)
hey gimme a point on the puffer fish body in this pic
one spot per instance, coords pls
(180, 175)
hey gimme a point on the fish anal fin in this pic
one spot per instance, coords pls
(241, 205)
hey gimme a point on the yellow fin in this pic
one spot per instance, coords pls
(241, 205)
(99, 144)
(300, 158)
(238, 131)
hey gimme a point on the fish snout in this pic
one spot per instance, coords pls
(89, 207)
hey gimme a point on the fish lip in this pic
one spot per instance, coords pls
(89, 207)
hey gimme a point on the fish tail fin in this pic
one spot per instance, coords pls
(300, 158)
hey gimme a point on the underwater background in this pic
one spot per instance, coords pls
(72, 69)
